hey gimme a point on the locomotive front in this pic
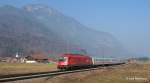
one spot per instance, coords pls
(62, 62)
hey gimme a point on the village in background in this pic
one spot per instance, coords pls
(33, 58)
(39, 57)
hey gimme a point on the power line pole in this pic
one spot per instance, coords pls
(103, 56)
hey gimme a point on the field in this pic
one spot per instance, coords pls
(19, 68)
(129, 73)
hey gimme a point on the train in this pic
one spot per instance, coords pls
(69, 61)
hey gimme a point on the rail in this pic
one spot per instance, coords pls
(15, 77)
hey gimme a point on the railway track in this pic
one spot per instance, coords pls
(8, 78)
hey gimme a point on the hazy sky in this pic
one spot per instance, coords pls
(127, 20)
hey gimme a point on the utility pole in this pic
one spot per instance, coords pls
(103, 56)
(67, 46)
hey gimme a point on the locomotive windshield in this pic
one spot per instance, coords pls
(61, 59)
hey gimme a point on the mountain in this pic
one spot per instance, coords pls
(20, 31)
(42, 28)
(97, 43)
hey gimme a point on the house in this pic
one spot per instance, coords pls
(37, 57)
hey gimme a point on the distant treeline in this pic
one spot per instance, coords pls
(143, 59)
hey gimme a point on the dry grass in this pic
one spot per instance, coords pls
(130, 73)
(18, 68)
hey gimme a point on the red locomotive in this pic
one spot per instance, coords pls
(68, 61)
